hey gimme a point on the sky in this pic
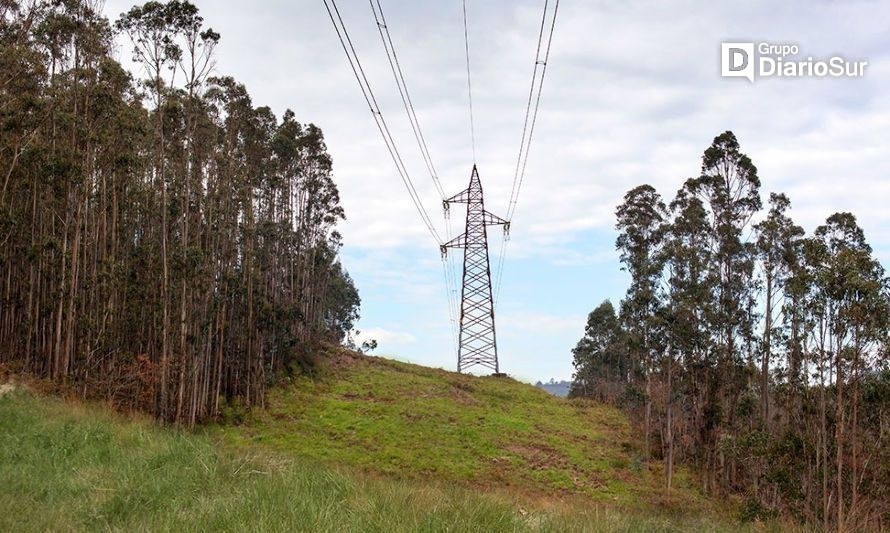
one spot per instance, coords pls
(633, 95)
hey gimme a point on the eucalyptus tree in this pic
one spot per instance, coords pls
(776, 248)
(689, 306)
(195, 61)
(640, 223)
(152, 31)
(729, 187)
(599, 357)
(851, 307)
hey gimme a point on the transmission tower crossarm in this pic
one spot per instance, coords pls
(458, 242)
(463, 197)
(494, 220)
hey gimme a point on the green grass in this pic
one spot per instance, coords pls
(408, 421)
(71, 467)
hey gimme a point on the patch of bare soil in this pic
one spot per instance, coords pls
(336, 358)
(539, 457)
(542, 457)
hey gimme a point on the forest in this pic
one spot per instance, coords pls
(165, 244)
(749, 349)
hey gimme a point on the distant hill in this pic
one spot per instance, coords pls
(556, 388)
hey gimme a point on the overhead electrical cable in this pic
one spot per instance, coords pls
(528, 128)
(528, 107)
(405, 95)
(469, 83)
(531, 130)
(399, 76)
(367, 92)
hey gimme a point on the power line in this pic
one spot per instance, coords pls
(451, 286)
(528, 108)
(395, 67)
(368, 93)
(450, 295)
(519, 175)
(469, 82)
(534, 94)
(500, 270)
(401, 84)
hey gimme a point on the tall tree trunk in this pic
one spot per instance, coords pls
(767, 350)
(839, 442)
(648, 415)
(823, 429)
(669, 430)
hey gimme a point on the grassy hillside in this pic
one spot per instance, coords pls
(71, 467)
(415, 422)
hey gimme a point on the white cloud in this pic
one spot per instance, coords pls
(385, 339)
(534, 323)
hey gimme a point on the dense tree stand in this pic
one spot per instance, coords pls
(166, 256)
(777, 417)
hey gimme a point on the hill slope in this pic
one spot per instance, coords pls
(69, 467)
(410, 421)
(66, 466)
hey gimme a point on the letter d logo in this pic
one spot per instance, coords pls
(737, 60)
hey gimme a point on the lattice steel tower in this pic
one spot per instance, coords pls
(478, 345)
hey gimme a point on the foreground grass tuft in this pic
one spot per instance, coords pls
(69, 467)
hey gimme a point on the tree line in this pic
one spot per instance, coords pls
(164, 242)
(749, 350)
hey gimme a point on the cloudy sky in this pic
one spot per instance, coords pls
(633, 95)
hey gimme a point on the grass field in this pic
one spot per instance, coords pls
(409, 421)
(72, 467)
(367, 444)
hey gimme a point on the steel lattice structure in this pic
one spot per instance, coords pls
(478, 344)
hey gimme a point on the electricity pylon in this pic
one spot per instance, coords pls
(478, 344)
